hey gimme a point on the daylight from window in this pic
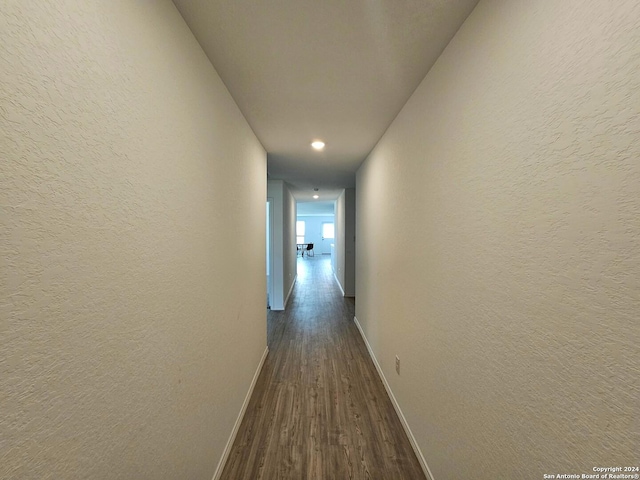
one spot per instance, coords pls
(327, 230)
(300, 231)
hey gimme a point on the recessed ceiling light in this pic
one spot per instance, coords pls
(317, 144)
(316, 197)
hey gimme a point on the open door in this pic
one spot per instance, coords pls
(269, 242)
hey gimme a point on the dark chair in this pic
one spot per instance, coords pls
(310, 250)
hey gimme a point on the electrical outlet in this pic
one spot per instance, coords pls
(397, 365)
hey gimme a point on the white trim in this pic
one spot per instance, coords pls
(403, 420)
(286, 300)
(236, 427)
(339, 286)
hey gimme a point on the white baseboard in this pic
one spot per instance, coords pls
(286, 300)
(403, 420)
(236, 427)
(338, 282)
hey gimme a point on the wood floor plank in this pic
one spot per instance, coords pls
(319, 410)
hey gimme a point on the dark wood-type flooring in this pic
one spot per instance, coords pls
(319, 409)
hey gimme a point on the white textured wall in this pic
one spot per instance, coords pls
(499, 244)
(132, 287)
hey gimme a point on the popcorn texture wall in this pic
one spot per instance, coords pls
(499, 244)
(132, 195)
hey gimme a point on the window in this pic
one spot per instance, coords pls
(327, 230)
(300, 231)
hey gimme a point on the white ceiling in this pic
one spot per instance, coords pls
(316, 209)
(336, 70)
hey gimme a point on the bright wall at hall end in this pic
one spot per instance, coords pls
(314, 234)
(498, 244)
(132, 287)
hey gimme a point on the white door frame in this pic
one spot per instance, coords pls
(270, 251)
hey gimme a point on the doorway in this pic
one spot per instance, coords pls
(269, 242)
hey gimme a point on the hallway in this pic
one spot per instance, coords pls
(319, 409)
